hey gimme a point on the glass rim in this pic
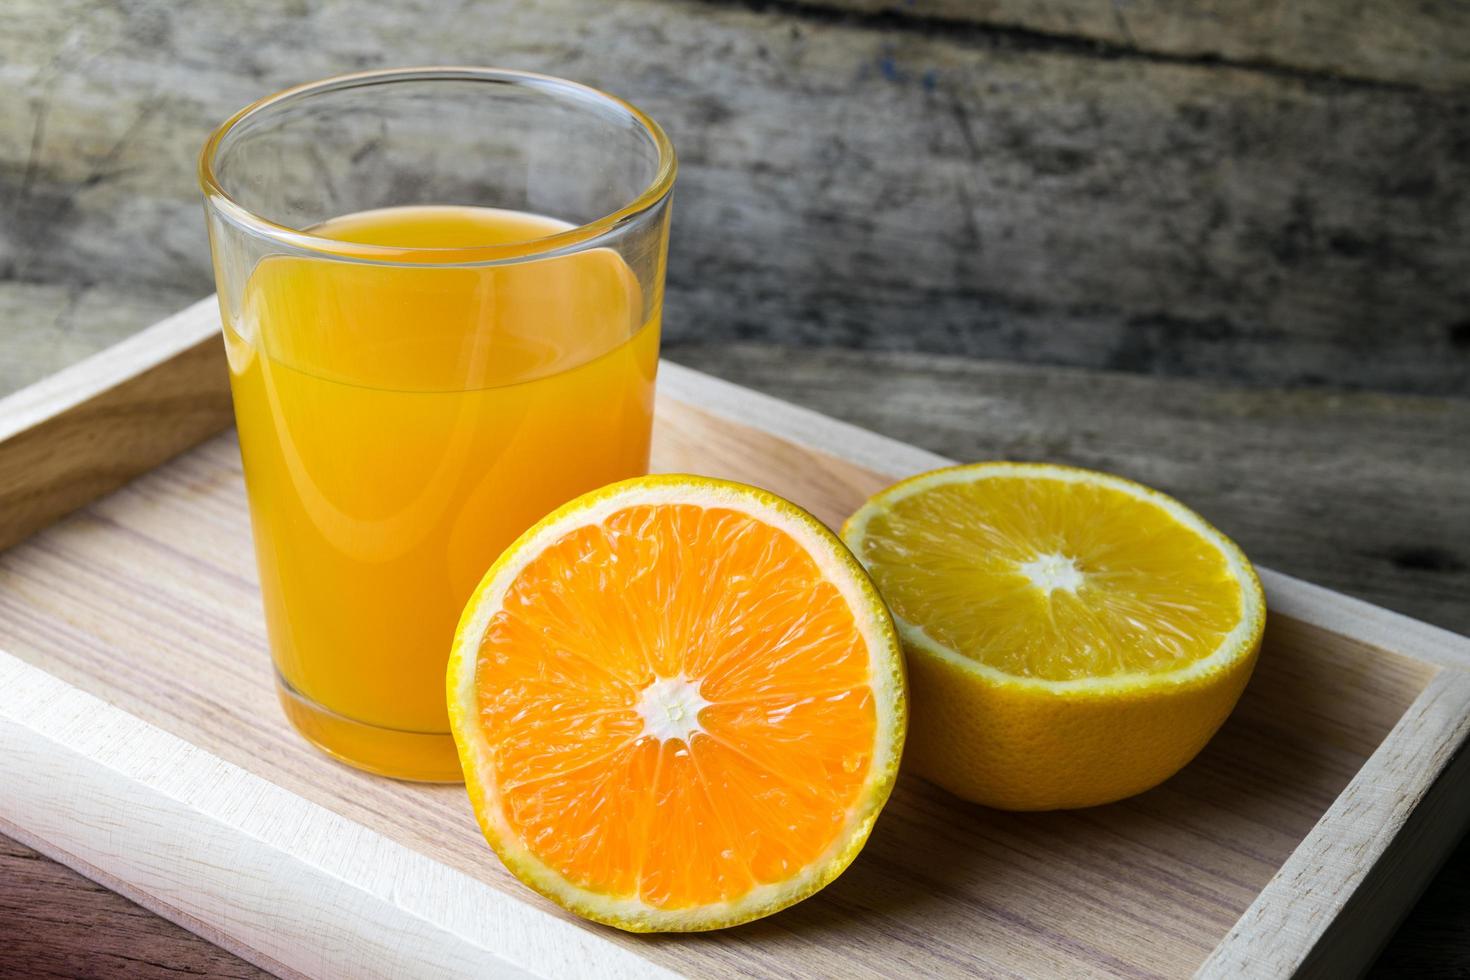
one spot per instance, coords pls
(470, 255)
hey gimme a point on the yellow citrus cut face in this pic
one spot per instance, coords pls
(1073, 637)
(1042, 573)
(679, 704)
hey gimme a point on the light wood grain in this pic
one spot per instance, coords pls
(1406, 43)
(1431, 941)
(1146, 887)
(284, 883)
(91, 427)
(58, 924)
(1305, 901)
(886, 186)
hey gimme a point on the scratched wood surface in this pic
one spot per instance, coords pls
(1145, 887)
(885, 182)
(1410, 44)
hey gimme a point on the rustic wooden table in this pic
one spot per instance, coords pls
(1218, 250)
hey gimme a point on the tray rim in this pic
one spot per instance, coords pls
(1395, 821)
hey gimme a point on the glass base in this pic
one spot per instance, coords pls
(425, 757)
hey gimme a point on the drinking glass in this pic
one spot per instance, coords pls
(440, 291)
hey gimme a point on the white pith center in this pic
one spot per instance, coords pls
(1051, 572)
(670, 708)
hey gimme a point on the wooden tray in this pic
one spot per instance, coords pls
(141, 743)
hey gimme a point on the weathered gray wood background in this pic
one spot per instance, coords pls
(1265, 191)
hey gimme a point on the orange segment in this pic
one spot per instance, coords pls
(679, 704)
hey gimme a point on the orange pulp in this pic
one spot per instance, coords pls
(678, 704)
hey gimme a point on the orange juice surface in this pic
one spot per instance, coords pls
(401, 423)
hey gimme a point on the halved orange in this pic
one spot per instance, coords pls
(679, 704)
(1073, 637)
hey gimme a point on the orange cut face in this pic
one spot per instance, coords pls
(678, 705)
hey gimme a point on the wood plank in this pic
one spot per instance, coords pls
(63, 924)
(223, 852)
(90, 428)
(1318, 897)
(1423, 843)
(1364, 493)
(1048, 205)
(1432, 941)
(60, 924)
(1403, 43)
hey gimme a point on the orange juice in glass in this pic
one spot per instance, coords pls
(441, 292)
